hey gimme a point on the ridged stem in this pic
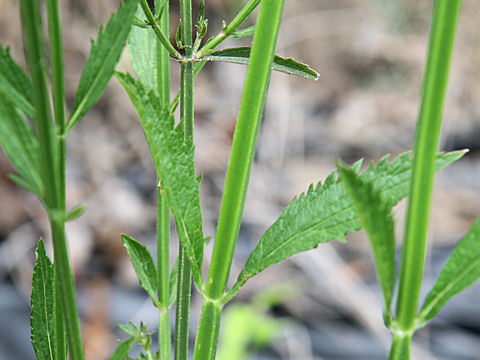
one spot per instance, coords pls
(184, 287)
(163, 213)
(52, 173)
(442, 36)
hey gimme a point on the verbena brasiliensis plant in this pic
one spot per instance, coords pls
(343, 203)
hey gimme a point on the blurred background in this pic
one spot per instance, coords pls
(323, 304)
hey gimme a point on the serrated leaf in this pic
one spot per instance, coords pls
(75, 213)
(15, 85)
(461, 270)
(121, 353)
(376, 218)
(241, 55)
(20, 146)
(143, 264)
(174, 160)
(326, 213)
(101, 62)
(42, 318)
(249, 31)
(142, 48)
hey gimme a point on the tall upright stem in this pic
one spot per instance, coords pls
(163, 213)
(184, 287)
(238, 173)
(53, 174)
(56, 55)
(442, 38)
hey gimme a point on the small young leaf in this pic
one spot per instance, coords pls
(101, 62)
(376, 218)
(75, 213)
(15, 85)
(249, 31)
(326, 213)
(174, 159)
(142, 48)
(20, 146)
(121, 353)
(241, 55)
(173, 284)
(143, 264)
(42, 318)
(461, 270)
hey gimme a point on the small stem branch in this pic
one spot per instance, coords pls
(160, 35)
(442, 38)
(229, 29)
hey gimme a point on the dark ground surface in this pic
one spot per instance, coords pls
(370, 55)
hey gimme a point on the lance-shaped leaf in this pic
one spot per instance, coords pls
(461, 270)
(20, 146)
(42, 318)
(326, 213)
(142, 48)
(241, 55)
(249, 31)
(103, 57)
(143, 264)
(15, 85)
(376, 218)
(121, 353)
(174, 159)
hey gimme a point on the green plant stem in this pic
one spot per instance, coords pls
(60, 334)
(208, 328)
(163, 213)
(243, 146)
(163, 261)
(442, 37)
(238, 172)
(400, 347)
(56, 55)
(184, 287)
(51, 174)
(158, 32)
(229, 29)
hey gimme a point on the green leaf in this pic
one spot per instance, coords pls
(15, 85)
(376, 218)
(75, 213)
(143, 264)
(174, 160)
(142, 48)
(103, 57)
(121, 353)
(249, 31)
(42, 318)
(241, 55)
(326, 213)
(20, 146)
(173, 284)
(461, 270)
